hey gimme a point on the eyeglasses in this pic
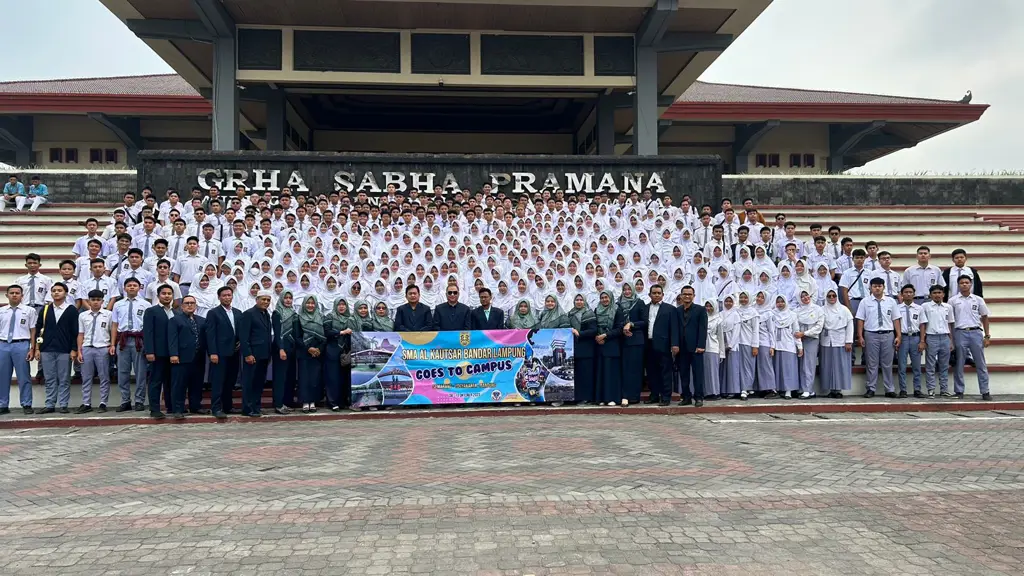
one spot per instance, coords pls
(450, 293)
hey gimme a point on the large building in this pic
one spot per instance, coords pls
(508, 76)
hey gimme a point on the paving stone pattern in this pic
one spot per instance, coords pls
(536, 495)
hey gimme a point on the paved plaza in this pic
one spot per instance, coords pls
(849, 494)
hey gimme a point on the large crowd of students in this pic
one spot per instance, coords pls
(250, 288)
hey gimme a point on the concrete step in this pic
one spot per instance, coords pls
(809, 210)
(34, 219)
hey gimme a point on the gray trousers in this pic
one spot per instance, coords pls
(57, 367)
(95, 362)
(808, 364)
(970, 341)
(878, 348)
(127, 360)
(938, 356)
(908, 347)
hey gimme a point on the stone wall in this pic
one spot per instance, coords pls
(103, 186)
(861, 191)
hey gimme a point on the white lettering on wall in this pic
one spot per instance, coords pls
(296, 183)
(262, 182)
(343, 181)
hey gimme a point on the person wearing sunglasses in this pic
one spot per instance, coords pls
(452, 314)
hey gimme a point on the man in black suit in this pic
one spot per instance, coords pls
(661, 333)
(452, 315)
(413, 316)
(184, 344)
(693, 338)
(255, 336)
(155, 329)
(222, 347)
(485, 317)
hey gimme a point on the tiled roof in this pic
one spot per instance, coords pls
(709, 92)
(152, 85)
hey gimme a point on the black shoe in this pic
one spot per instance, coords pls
(254, 415)
(652, 400)
(698, 403)
(201, 412)
(84, 408)
(102, 408)
(124, 407)
(839, 394)
(664, 403)
(902, 394)
(283, 410)
(960, 396)
(46, 410)
(986, 396)
(157, 415)
(219, 415)
(140, 407)
(5, 410)
(65, 410)
(178, 416)
(686, 402)
(919, 394)
(27, 410)
(771, 394)
(869, 394)
(890, 395)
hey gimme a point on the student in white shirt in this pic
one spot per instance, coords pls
(871, 262)
(836, 347)
(118, 261)
(97, 280)
(95, 350)
(876, 323)
(923, 275)
(36, 286)
(176, 241)
(163, 276)
(936, 327)
(910, 344)
(91, 227)
(892, 279)
(186, 268)
(83, 263)
(714, 352)
(970, 315)
(126, 335)
(17, 332)
(834, 246)
(147, 236)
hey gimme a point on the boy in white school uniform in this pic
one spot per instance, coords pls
(923, 275)
(937, 323)
(910, 327)
(890, 277)
(970, 314)
(877, 322)
(95, 351)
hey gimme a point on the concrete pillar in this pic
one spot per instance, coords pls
(645, 103)
(225, 95)
(605, 125)
(276, 120)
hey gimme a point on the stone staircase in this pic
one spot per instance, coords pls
(988, 233)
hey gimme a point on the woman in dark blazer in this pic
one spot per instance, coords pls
(584, 327)
(634, 313)
(609, 353)
(339, 325)
(310, 341)
(284, 320)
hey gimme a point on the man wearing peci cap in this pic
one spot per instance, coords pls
(255, 335)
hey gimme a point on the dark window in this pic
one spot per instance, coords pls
(110, 155)
(761, 161)
(794, 160)
(95, 155)
(773, 160)
(808, 160)
(71, 155)
(56, 154)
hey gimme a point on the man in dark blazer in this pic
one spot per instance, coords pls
(486, 317)
(255, 336)
(222, 347)
(452, 314)
(413, 316)
(185, 345)
(693, 338)
(661, 340)
(155, 329)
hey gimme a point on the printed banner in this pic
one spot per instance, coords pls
(471, 367)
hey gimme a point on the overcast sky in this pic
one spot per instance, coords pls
(928, 48)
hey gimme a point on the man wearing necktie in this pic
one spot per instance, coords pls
(95, 350)
(878, 332)
(17, 331)
(910, 316)
(255, 335)
(185, 334)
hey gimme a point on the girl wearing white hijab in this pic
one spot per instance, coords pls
(824, 282)
(704, 290)
(748, 342)
(765, 345)
(204, 293)
(787, 348)
(714, 353)
(804, 282)
(811, 319)
(724, 285)
(836, 347)
(732, 382)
